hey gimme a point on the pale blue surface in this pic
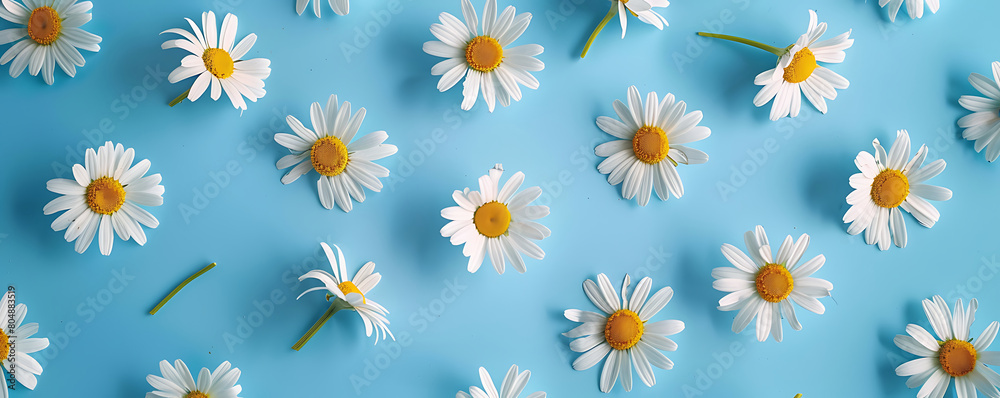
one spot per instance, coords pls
(903, 75)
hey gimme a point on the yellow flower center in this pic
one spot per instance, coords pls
(196, 394)
(650, 144)
(957, 357)
(774, 282)
(105, 195)
(44, 25)
(890, 188)
(623, 330)
(802, 66)
(483, 53)
(348, 287)
(329, 156)
(492, 219)
(4, 346)
(218, 62)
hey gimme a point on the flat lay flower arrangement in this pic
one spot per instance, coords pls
(499, 199)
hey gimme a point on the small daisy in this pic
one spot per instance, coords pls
(485, 60)
(952, 355)
(351, 294)
(887, 183)
(341, 7)
(650, 145)
(983, 126)
(53, 32)
(104, 198)
(915, 8)
(512, 386)
(22, 344)
(497, 221)
(623, 335)
(216, 58)
(346, 168)
(765, 287)
(642, 9)
(177, 382)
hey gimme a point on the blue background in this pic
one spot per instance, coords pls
(224, 202)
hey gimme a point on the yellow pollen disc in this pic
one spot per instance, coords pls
(650, 144)
(483, 53)
(4, 346)
(623, 330)
(802, 66)
(329, 156)
(957, 357)
(349, 287)
(196, 394)
(105, 195)
(218, 62)
(890, 188)
(44, 25)
(492, 219)
(774, 282)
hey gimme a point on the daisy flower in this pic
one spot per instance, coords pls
(512, 386)
(498, 221)
(22, 344)
(104, 198)
(350, 295)
(623, 335)
(642, 9)
(915, 8)
(798, 71)
(650, 147)
(341, 7)
(485, 60)
(346, 168)
(54, 36)
(983, 125)
(764, 287)
(216, 58)
(887, 183)
(952, 355)
(177, 382)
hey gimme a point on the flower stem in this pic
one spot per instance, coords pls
(180, 98)
(607, 18)
(337, 305)
(771, 49)
(179, 287)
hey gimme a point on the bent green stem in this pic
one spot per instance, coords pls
(180, 98)
(337, 305)
(607, 18)
(771, 49)
(179, 287)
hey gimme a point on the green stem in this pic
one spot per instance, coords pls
(607, 18)
(771, 49)
(337, 305)
(180, 98)
(179, 287)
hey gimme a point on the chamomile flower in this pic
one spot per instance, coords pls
(341, 7)
(346, 168)
(915, 8)
(642, 9)
(486, 60)
(498, 221)
(52, 35)
(765, 287)
(983, 125)
(217, 59)
(650, 145)
(887, 183)
(624, 334)
(177, 382)
(103, 199)
(350, 295)
(512, 386)
(953, 355)
(21, 344)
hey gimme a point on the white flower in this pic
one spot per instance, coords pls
(650, 145)
(485, 60)
(497, 221)
(643, 10)
(216, 58)
(765, 287)
(354, 292)
(53, 32)
(983, 126)
(346, 168)
(952, 355)
(915, 8)
(21, 342)
(177, 382)
(512, 386)
(623, 335)
(341, 7)
(888, 183)
(797, 72)
(103, 199)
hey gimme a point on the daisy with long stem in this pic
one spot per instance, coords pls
(641, 9)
